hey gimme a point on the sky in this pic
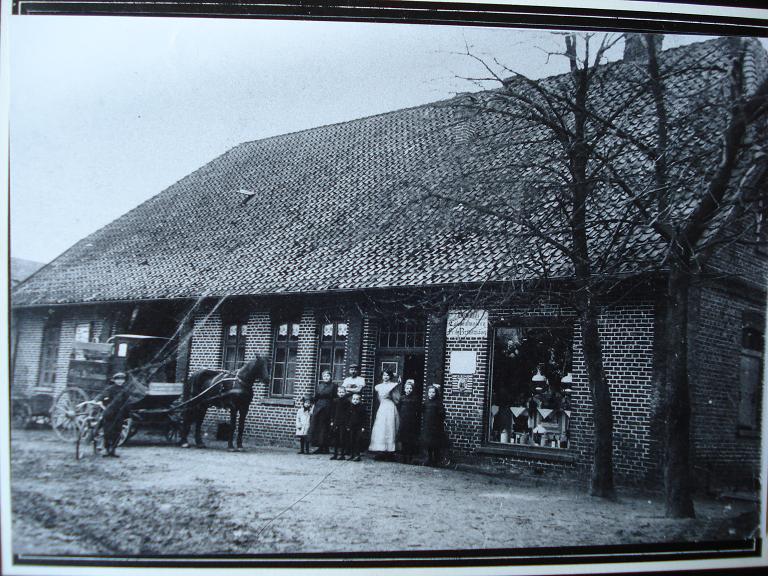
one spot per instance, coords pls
(107, 112)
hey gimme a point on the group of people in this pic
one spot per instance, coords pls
(336, 416)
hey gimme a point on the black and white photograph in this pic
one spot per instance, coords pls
(405, 285)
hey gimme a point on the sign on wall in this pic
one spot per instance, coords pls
(467, 324)
(463, 362)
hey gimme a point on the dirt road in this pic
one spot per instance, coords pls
(158, 499)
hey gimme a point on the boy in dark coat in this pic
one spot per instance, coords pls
(434, 426)
(408, 433)
(339, 418)
(116, 406)
(356, 420)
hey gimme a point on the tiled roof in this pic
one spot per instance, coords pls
(338, 207)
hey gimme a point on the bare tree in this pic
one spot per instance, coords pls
(545, 183)
(569, 143)
(704, 193)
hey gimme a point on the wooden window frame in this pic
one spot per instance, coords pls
(403, 335)
(284, 386)
(238, 346)
(332, 345)
(752, 347)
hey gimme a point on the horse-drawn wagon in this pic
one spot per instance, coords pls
(151, 365)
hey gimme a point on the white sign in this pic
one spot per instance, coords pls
(83, 332)
(463, 362)
(467, 324)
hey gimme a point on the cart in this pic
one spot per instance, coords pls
(31, 408)
(151, 362)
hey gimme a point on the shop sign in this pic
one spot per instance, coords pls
(463, 362)
(467, 324)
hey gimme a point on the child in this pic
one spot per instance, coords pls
(356, 419)
(434, 425)
(339, 416)
(303, 417)
(410, 406)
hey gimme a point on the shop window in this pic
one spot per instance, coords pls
(750, 375)
(49, 354)
(402, 334)
(234, 340)
(332, 350)
(530, 386)
(286, 351)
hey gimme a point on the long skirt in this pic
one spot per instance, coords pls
(384, 431)
(320, 425)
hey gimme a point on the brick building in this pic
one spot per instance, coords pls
(316, 250)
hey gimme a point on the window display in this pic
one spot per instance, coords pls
(531, 386)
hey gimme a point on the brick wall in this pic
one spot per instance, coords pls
(722, 454)
(29, 329)
(627, 333)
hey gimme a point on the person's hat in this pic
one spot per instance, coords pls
(119, 376)
(355, 366)
(306, 398)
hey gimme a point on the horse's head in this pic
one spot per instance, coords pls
(254, 369)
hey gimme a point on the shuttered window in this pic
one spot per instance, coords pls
(750, 376)
(49, 354)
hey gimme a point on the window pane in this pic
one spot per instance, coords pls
(400, 339)
(418, 340)
(288, 391)
(279, 371)
(277, 387)
(325, 355)
(514, 412)
(295, 331)
(282, 331)
(291, 370)
(327, 332)
(341, 331)
(383, 339)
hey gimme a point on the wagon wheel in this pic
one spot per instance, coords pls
(90, 434)
(64, 413)
(128, 430)
(21, 412)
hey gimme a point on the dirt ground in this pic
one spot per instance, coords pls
(159, 499)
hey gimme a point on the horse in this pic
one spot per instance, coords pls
(221, 389)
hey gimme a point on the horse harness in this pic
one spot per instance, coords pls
(225, 379)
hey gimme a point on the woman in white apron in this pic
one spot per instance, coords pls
(384, 431)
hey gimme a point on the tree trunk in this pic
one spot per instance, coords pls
(677, 472)
(601, 479)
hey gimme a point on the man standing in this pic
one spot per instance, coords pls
(354, 383)
(116, 400)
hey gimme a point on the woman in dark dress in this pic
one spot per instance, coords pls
(320, 426)
(434, 426)
(408, 433)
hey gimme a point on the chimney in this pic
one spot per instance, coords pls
(635, 49)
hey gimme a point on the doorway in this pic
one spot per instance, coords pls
(401, 349)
